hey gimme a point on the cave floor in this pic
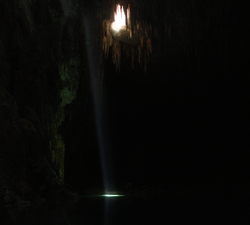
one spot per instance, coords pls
(187, 206)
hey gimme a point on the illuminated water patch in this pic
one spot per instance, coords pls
(110, 196)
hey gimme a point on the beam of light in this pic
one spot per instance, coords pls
(120, 19)
(94, 53)
(93, 56)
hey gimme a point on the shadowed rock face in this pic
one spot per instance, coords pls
(40, 56)
(40, 50)
(48, 205)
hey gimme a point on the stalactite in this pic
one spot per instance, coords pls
(104, 39)
(139, 54)
(132, 57)
(149, 47)
(116, 54)
(107, 37)
(129, 21)
(142, 33)
(137, 25)
(118, 65)
(141, 38)
(127, 52)
(145, 61)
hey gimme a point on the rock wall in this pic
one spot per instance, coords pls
(41, 68)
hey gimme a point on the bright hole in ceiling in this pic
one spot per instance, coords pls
(120, 19)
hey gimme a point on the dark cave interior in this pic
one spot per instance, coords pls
(174, 119)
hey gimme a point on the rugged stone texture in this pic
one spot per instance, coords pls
(40, 55)
(40, 51)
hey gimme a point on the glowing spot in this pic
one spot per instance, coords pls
(120, 19)
(108, 195)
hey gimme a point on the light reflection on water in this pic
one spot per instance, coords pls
(133, 210)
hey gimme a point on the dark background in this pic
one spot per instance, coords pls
(175, 126)
(183, 122)
(175, 130)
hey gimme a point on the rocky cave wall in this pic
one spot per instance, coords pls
(41, 68)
